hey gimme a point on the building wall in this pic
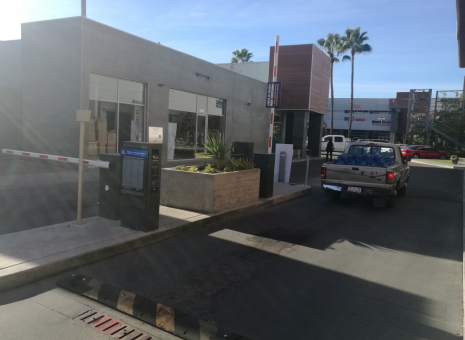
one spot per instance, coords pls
(294, 70)
(60, 54)
(304, 71)
(365, 116)
(319, 82)
(10, 95)
(51, 85)
(257, 70)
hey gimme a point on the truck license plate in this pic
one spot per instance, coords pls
(354, 189)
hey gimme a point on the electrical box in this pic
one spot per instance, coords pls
(265, 162)
(140, 185)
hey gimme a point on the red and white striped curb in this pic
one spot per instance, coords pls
(100, 164)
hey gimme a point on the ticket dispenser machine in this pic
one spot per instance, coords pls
(140, 185)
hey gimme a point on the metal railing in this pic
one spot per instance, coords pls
(448, 133)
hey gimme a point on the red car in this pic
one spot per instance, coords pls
(424, 151)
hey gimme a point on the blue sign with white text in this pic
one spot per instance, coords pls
(133, 153)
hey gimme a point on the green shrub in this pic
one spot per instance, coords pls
(454, 159)
(181, 167)
(227, 169)
(209, 170)
(217, 148)
(193, 168)
(239, 164)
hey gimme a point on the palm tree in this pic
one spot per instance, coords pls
(332, 46)
(355, 42)
(241, 56)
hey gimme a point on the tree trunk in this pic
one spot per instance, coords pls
(351, 95)
(332, 97)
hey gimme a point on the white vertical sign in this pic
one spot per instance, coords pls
(275, 77)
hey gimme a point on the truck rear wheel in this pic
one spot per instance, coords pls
(401, 191)
(336, 196)
(391, 201)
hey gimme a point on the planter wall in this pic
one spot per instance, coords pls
(209, 193)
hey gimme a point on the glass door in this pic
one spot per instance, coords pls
(201, 133)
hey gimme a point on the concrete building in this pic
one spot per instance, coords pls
(304, 72)
(371, 117)
(128, 83)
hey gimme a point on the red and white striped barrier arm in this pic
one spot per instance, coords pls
(100, 164)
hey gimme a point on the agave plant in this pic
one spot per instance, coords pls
(217, 148)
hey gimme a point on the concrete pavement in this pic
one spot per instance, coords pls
(34, 254)
(313, 268)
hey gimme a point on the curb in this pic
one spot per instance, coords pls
(439, 165)
(174, 321)
(40, 272)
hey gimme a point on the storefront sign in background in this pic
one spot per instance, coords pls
(155, 134)
(375, 122)
(273, 94)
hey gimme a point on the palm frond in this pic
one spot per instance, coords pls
(346, 58)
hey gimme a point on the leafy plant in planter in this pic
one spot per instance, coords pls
(239, 164)
(454, 159)
(217, 148)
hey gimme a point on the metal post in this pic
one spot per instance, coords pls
(83, 8)
(306, 172)
(275, 77)
(82, 116)
(81, 157)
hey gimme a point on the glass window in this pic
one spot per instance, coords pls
(201, 104)
(103, 88)
(112, 121)
(192, 118)
(130, 92)
(338, 139)
(215, 106)
(182, 125)
(413, 147)
(373, 150)
(327, 139)
(182, 101)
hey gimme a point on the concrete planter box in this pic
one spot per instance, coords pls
(209, 193)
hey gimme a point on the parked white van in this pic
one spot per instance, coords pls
(339, 142)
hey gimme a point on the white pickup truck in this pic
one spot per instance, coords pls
(377, 170)
(339, 142)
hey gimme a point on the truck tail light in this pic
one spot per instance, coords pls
(323, 173)
(389, 178)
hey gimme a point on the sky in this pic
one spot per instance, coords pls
(414, 42)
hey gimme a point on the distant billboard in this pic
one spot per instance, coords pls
(273, 94)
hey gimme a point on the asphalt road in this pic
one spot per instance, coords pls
(310, 268)
(313, 268)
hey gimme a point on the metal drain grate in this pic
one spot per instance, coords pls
(112, 327)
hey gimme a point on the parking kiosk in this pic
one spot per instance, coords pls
(140, 185)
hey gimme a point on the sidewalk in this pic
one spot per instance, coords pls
(459, 165)
(34, 254)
